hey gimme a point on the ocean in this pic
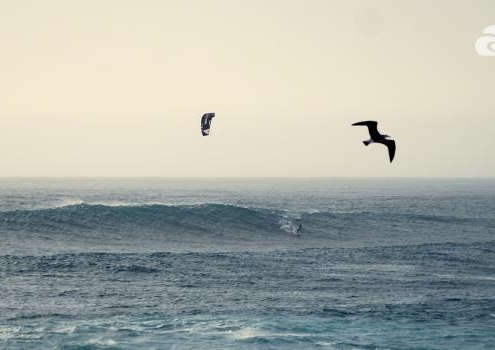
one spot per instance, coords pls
(157, 263)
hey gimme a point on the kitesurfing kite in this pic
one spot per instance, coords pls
(206, 123)
(376, 137)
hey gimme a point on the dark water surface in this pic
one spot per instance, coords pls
(214, 264)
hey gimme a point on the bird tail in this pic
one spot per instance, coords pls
(366, 143)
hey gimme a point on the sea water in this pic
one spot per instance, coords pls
(215, 264)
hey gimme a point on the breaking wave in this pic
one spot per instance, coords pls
(153, 217)
(208, 218)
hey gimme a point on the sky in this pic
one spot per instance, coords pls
(117, 88)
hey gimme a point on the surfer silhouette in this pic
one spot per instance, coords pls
(296, 230)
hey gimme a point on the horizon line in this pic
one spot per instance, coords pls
(246, 177)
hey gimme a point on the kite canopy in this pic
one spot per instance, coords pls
(206, 123)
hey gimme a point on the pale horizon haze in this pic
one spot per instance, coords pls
(117, 88)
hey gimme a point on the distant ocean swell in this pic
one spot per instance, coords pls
(214, 219)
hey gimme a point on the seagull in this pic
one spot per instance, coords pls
(376, 137)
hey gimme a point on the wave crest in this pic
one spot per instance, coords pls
(201, 217)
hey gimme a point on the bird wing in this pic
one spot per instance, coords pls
(391, 148)
(372, 127)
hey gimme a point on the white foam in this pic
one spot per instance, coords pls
(466, 277)
(324, 344)
(251, 332)
(69, 202)
(62, 203)
(246, 333)
(101, 341)
(8, 332)
(65, 330)
(115, 203)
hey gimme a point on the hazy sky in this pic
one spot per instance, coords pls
(117, 88)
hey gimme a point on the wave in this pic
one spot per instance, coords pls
(218, 219)
(201, 217)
